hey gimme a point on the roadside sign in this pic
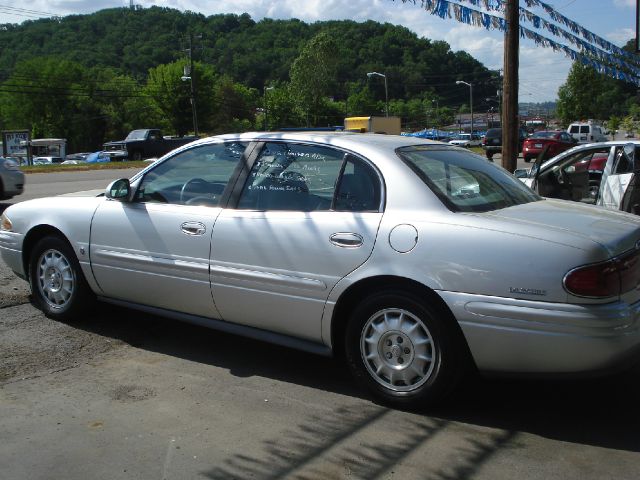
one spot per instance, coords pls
(15, 143)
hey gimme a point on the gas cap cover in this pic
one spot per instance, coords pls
(403, 238)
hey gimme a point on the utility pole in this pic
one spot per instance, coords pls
(510, 125)
(193, 88)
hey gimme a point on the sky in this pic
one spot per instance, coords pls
(542, 71)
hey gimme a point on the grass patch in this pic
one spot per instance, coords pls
(82, 167)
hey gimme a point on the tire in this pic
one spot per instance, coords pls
(405, 352)
(136, 156)
(489, 156)
(527, 159)
(58, 286)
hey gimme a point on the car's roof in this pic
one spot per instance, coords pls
(334, 138)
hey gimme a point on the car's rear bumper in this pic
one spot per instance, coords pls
(492, 148)
(531, 152)
(520, 336)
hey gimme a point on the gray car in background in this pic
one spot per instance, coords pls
(412, 260)
(11, 178)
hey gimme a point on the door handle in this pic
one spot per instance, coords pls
(346, 240)
(193, 228)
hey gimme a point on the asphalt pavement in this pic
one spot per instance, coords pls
(124, 395)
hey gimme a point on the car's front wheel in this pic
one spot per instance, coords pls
(58, 285)
(405, 352)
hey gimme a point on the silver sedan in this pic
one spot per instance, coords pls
(11, 178)
(414, 260)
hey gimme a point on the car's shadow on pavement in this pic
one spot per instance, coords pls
(600, 412)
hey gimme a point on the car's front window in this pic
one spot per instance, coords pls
(464, 181)
(196, 176)
(137, 135)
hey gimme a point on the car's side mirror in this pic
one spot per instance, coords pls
(119, 190)
(521, 172)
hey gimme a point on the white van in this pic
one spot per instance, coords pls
(587, 132)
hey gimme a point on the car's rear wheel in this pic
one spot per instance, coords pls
(489, 156)
(58, 285)
(405, 352)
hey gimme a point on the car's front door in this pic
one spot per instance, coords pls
(155, 249)
(569, 178)
(306, 217)
(615, 179)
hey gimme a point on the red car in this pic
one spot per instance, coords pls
(558, 141)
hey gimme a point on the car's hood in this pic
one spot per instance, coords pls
(572, 223)
(85, 193)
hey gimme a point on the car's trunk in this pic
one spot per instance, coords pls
(574, 223)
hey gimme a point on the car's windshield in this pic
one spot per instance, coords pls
(137, 135)
(464, 181)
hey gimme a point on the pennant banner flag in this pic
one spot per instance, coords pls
(592, 56)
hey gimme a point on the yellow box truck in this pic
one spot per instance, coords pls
(388, 125)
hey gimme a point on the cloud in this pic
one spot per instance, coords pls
(621, 36)
(625, 3)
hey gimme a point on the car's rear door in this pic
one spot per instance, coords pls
(155, 249)
(306, 216)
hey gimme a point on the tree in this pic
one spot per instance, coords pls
(613, 124)
(589, 94)
(313, 74)
(235, 107)
(171, 95)
(361, 102)
(280, 106)
(628, 125)
(53, 98)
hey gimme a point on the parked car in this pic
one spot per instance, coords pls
(11, 178)
(597, 173)
(492, 142)
(466, 140)
(552, 142)
(403, 255)
(144, 143)
(587, 132)
(77, 157)
(48, 160)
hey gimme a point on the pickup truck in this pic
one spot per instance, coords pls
(144, 143)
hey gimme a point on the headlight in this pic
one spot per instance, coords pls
(5, 223)
(10, 164)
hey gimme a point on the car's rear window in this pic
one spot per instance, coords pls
(574, 129)
(544, 135)
(494, 132)
(464, 181)
(584, 129)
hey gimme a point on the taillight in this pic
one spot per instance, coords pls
(602, 280)
(607, 279)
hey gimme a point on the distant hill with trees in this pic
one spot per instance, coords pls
(90, 78)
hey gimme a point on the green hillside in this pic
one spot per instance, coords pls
(116, 69)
